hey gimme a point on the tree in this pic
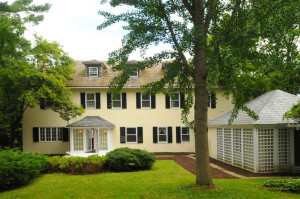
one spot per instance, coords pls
(241, 46)
(294, 113)
(29, 74)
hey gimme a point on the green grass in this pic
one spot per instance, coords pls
(165, 180)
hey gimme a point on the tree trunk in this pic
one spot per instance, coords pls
(203, 172)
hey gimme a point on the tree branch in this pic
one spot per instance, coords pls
(209, 14)
(182, 56)
(189, 7)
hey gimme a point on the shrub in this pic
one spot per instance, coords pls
(126, 159)
(18, 168)
(284, 184)
(76, 165)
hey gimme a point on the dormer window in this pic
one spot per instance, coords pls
(135, 74)
(93, 71)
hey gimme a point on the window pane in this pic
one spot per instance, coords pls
(53, 134)
(162, 138)
(176, 96)
(185, 130)
(116, 97)
(60, 134)
(146, 104)
(131, 138)
(116, 103)
(175, 104)
(131, 131)
(90, 104)
(42, 134)
(185, 138)
(145, 97)
(90, 96)
(134, 74)
(162, 131)
(48, 135)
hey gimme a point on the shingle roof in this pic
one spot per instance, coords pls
(92, 121)
(270, 108)
(80, 80)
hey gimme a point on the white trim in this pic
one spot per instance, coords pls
(86, 101)
(93, 72)
(112, 102)
(135, 76)
(136, 135)
(179, 101)
(45, 134)
(189, 134)
(167, 133)
(145, 100)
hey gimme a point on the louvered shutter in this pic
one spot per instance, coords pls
(178, 135)
(122, 135)
(98, 101)
(82, 99)
(124, 101)
(65, 134)
(170, 140)
(35, 134)
(138, 100)
(167, 101)
(154, 134)
(108, 100)
(153, 102)
(140, 134)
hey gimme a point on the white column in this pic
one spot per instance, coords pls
(242, 146)
(84, 140)
(71, 140)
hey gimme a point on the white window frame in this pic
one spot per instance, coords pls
(86, 101)
(136, 73)
(145, 107)
(136, 135)
(113, 104)
(189, 134)
(93, 73)
(57, 129)
(158, 128)
(171, 100)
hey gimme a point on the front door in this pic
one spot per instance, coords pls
(297, 147)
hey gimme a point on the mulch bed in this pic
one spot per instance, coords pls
(190, 165)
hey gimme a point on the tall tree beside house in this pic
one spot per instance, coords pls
(29, 74)
(242, 46)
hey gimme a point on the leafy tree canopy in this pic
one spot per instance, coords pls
(29, 73)
(245, 47)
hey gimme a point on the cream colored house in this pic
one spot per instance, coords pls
(130, 119)
(268, 145)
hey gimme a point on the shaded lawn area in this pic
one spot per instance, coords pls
(165, 180)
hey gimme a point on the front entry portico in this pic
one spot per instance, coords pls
(89, 136)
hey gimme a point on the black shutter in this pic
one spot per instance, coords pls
(140, 134)
(182, 98)
(65, 134)
(35, 134)
(108, 100)
(170, 134)
(124, 101)
(167, 101)
(153, 103)
(42, 104)
(82, 99)
(138, 100)
(98, 101)
(213, 100)
(122, 135)
(154, 134)
(178, 135)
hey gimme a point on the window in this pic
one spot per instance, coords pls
(50, 134)
(185, 134)
(117, 101)
(93, 71)
(175, 100)
(46, 103)
(90, 100)
(211, 100)
(135, 74)
(131, 134)
(146, 101)
(162, 135)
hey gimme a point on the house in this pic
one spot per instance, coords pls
(268, 145)
(130, 119)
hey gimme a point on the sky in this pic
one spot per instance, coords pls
(73, 24)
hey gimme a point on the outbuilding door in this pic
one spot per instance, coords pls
(297, 147)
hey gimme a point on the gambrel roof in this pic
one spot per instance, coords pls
(270, 108)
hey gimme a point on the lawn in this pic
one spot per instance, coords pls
(165, 180)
